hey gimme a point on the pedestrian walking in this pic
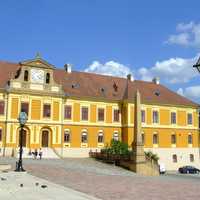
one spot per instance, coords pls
(35, 154)
(40, 153)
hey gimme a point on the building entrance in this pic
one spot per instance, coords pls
(45, 138)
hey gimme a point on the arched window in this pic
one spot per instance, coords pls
(47, 78)
(116, 136)
(26, 75)
(155, 138)
(67, 136)
(100, 137)
(173, 138)
(84, 137)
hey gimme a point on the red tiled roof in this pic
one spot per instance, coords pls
(82, 84)
(7, 71)
(90, 84)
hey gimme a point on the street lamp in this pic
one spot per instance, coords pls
(197, 65)
(22, 121)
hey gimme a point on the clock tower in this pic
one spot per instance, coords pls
(35, 76)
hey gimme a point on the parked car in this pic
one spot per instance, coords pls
(162, 168)
(188, 170)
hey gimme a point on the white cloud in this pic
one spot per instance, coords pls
(192, 92)
(173, 70)
(188, 34)
(181, 39)
(185, 27)
(111, 68)
(180, 91)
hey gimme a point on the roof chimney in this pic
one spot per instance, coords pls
(130, 77)
(156, 80)
(68, 68)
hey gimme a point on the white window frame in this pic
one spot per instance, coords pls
(85, 132)
(100, 132)
(97, 114)
(118, 136)
(113, 111)
(83, 120)
(173, 124)
(190, 113)
(65, 119)
(156, 110)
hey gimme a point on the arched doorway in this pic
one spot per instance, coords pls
(45, 138)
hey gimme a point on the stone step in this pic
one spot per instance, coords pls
(46, 153)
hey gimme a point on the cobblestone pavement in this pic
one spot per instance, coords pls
(108, 182)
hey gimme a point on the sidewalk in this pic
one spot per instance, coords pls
(10, 189)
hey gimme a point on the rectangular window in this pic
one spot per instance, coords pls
(155, 138)
(155, 117)
(2, 105)
(100, 114)
(191, 158)
(46, 110)
(1, 135)
(25, 107)
(143, 116)
(189, 139)
(189, 118)
(174, 158)
(84, 113)
(68, 112)
(173, 118)
(116, 115)
(173, 139)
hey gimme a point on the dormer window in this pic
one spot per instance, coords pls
(115, 87)
(26, 75)
(47, 78)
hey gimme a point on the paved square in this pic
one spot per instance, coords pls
(32, 189)
(108, 182)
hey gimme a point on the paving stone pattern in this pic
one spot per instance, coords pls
(109, 182)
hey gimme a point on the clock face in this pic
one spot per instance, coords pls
(37, 76)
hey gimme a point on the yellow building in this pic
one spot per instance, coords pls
(71, 113)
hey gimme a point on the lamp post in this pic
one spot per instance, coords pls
(197, 65)
(22, 121)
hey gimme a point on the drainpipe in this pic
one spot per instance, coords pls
(198, 111)
(62, 124)
(6, 123)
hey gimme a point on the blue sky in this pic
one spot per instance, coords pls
(145, 38)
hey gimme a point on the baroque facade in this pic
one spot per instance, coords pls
(73, 112)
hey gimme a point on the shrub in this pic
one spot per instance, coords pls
(116, 148)
(152, 156)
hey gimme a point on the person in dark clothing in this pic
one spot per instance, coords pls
(35, 154)
(40, 153)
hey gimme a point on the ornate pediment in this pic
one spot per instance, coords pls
(37, 62)
(35, 76)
